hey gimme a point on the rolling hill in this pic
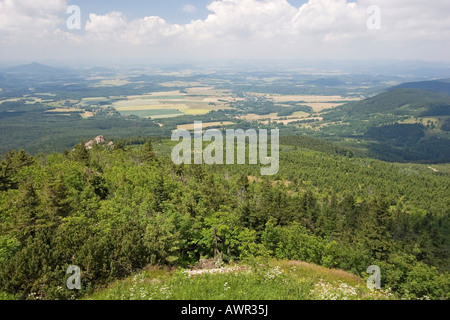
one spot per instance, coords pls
(34, 69)
(401, 124)
(442, 86)
(397, 102)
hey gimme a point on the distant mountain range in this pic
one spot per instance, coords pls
(33, 68)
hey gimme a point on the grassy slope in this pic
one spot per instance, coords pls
(274, 280)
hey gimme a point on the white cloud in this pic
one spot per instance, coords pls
(324, 20)
(108, 27)
(189, 8)
(28, 19)
(114, 27)
(327, 28)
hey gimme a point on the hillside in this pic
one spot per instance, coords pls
(397, 102)
(442, 86)
(270, 280)
(114, 211)
(400, 125)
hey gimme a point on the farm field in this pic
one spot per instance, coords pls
(273, 117)
(63, 110)
(153, 113)
(120, 81)
(258, 117)
(193, 101)
(68, 111)
(87, 101)
(288, 121)
(205, 125)
(318, 103)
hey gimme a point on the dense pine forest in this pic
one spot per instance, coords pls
(114, 210)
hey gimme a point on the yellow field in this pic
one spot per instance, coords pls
(197, 101)
(299, 114)
(196, 112)
(296, 116)
(93, 99)
(10, 100)
(318, 103)
(137, 107)
(205, 125)
(254, 117)
(45, 94)
(157, 94)
(87, 115)
(63, 110)
(180, 84)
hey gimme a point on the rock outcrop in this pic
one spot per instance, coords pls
(98, 140)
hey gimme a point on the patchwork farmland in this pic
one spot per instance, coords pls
(158, 105)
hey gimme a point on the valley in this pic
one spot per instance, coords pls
(338, 111)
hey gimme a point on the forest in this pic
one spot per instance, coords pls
(114, 210)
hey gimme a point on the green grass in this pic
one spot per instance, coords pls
(6, 297)
(276, 280)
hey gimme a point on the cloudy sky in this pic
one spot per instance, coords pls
(225, 29)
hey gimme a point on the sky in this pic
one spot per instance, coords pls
(181, 30)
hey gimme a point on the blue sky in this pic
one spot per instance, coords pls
(170, 10)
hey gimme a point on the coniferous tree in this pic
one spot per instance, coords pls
(81, 154)
(147, 153)
(13, 162)
(27, 211)
(58, 202)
